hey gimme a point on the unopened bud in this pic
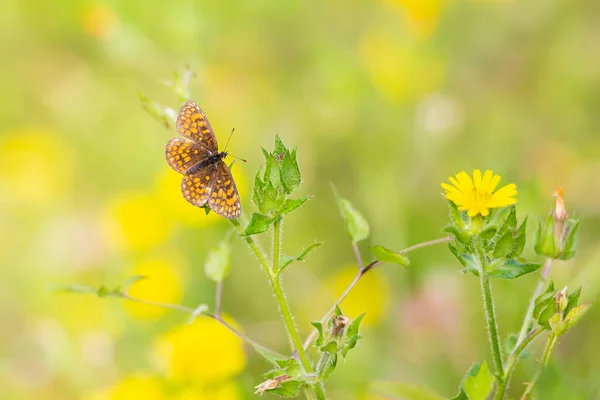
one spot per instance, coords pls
(562, 300)
(340, 322)
(270, 384)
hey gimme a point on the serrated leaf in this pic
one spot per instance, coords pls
(519, 239)
(354, 326)
(218, 262)
(290, 173)
(291, 204)
(356, 224)
(405, 391)
(504, 245)
(258, 224)
(468, 262)
(511, 269)
(477, 387)
(389, 256)
(319, 327)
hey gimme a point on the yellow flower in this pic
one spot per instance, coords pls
(162, 284)
(132, 387)
(203, 351)
(478, 195)
(421, 15)
(136, 221)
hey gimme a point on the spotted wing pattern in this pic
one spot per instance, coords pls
(197, 188)
(183, 153)
(193, 124)
(224, 198)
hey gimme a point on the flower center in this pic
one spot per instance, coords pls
(481, 196)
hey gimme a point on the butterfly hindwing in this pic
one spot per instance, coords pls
(224, 198)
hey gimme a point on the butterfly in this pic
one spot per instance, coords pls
(206, 177)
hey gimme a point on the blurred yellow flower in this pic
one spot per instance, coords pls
(370, 295)
(168, 187)
(132, 387)
(162, 284)
(136, 221)
(203, 351)
(98, 20)
(35, 167)
(478, 195)
(421, 15)
(226, 391)
(399, 69)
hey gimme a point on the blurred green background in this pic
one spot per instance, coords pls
(385, 99)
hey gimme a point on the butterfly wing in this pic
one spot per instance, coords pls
(224, 198)
(182, 154)
(197, 187)
(193, 124)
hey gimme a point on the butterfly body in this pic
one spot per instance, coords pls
(206, 177)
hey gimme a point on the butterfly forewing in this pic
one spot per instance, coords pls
(182, 154)
(192, 123)
(224, 198)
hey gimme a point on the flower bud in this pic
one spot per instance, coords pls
(557, 236)
(562, 300)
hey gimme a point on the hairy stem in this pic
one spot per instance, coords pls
(313, 334)
(490, 313)
(512, 361)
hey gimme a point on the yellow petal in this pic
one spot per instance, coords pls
(464, 182)
(477, 178)
(485, 181)
(494, 182)
(503, 196)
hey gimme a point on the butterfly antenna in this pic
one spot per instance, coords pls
(229, 138)
(227, 144)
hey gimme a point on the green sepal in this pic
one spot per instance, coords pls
(319, 327)
(569, 247)
(544, 238)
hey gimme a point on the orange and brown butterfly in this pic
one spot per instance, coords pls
(206, 177)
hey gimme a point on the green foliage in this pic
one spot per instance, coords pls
(287, 260)
(389, 256)
(477, 383)
(557, 238)
(218, 261)
(356, 225)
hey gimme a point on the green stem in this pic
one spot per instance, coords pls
(262, 258)
(550, 344)
(490, 313)
(540, 285)
(512, 361)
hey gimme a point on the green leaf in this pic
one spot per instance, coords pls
(288, 388)
(575, 315)
(350, 344)
(504, 245)
(319, 327)
(473, 371)
(456, 217)
(290, 173)
(291, 204)
(330, 347)
(520, 239)
(544, 238)
(338, 311)
(279, 147)
(404, 391)
(356, 225)
(329, 367)
(386, 255)
(76, 288)
(460, 235)
(488, 232)
(510, 343)
(572, 300)
(468, 262)
(511, 269)
(272, 200)
(354, 325)
(218, 262)
(258, 224)
(570, 241)
(477, 387)
(288, 260)
(270, 358)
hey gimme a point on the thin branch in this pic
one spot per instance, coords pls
(219, 296)
(189, 310)
(357, 255)
(313, 334)
(540, 286)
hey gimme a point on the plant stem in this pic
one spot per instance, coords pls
(357, 255)
(192, 311)
(313, 334)
(284, 308)
(512, 361)
(550, 344)
(218, 297)
(540, 285)
(490, 313)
